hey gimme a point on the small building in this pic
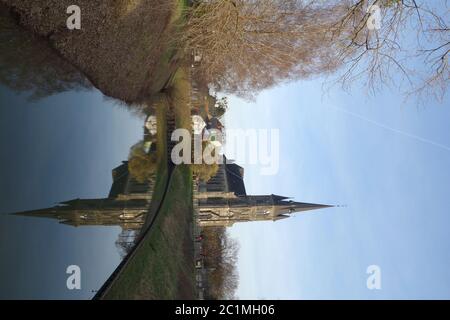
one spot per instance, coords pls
(198, 124)
(151, 125)
(214, 123)
(197, 56)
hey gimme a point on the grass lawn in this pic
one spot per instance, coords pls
(162, 173)
(162, 267)
(179, 92)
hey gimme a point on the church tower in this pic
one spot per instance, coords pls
(221, 202)
(126, 205)
(226, 210)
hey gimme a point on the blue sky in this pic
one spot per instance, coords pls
(385, 160)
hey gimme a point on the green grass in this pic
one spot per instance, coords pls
(179, 90)
(179, 11)
(162, 170)
(163, 266)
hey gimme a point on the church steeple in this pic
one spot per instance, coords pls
(126, 205)
(293, 206)
(129, 214)
(226, 210)
(222, 203)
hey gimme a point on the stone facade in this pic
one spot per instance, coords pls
(220, 202)
(126, 205)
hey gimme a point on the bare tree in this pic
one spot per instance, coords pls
(141, 164)
(249, 45)
(221, 258)
(204, 172)
(125, 241)
(220, 107)
(408, 34)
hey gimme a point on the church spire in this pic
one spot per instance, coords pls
(304, 206)
(284, 207)
(216, 211)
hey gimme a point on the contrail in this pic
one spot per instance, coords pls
(406, 134)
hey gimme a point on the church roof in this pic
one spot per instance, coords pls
(280, 217)
(279, 198)
(120, 176)
(235, 178)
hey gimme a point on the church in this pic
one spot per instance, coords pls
(220, 202)
(223, 201)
